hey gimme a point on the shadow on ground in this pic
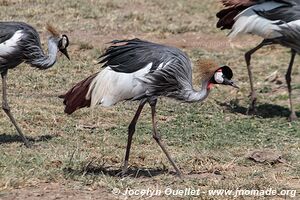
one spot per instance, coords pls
(262, 110)
(134, 172)
(4, 138)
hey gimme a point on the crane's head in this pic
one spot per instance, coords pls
(212, 73)
(63, 43)
(62, 40)
(222, 76)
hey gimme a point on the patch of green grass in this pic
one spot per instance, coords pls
(283, 97)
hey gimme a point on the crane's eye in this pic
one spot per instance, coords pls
(219, 77)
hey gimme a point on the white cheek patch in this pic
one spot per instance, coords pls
(64, 42)
(219, 77)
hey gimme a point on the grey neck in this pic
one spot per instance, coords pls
(198, 96)
(47, 61)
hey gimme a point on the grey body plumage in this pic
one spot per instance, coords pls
(141, 70)
(288, 13)
(28, 49)
(170, 74)
(277, 21)
(20, 42)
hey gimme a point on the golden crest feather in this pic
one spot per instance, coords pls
(52, 30)
(205, 68)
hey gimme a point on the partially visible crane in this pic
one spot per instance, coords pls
(20, 42)
(141, 70)
(276, 21)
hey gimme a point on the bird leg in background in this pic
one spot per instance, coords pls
(293, 115)
(131, 130)
(251, 109)
(6, 108)
(157, 137)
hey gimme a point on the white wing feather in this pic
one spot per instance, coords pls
(292, 24)
(9, 45)
(110, 87)
(249, 22)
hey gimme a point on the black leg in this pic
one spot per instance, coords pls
(248, 54)
(131, 130)
(157, 137)
(6, 108)
(293, 115)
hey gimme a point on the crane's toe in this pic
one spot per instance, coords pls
(122, 173)
(292, 117)
(251, 110)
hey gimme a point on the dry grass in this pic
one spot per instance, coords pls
(76, 155)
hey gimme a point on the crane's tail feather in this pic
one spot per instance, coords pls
(75, 98)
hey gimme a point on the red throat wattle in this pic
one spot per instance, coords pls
(209, 86)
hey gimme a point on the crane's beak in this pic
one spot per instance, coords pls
(65, 52)
(230, 82)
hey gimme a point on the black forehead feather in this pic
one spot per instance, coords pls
(227, 72)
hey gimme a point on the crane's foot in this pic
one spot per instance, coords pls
(179, 175)
(7, 111)
(27, 143)
(252, 107)
(251, 110)
(292, 117)
(124, 171)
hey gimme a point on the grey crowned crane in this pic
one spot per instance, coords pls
(141, 70)
(276, 21)
(20, 42)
